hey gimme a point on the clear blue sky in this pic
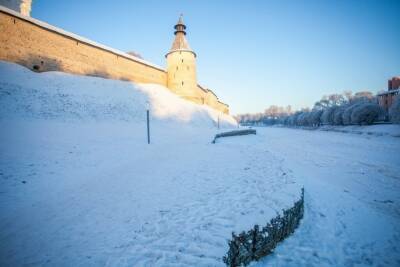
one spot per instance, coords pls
(252, 53)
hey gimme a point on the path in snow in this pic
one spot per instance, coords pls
(352, 198)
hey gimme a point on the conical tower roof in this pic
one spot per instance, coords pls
(180, 43)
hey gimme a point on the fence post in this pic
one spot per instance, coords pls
(148, 123)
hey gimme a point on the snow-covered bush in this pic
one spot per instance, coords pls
(365, 113)
(315, 117)
(302, 119)
(394, 111)
(346, 116)
(283, 120)
(308, 118)
(338, 116)
(327, 115)
(293, 119)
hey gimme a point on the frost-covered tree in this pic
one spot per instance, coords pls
(333, 109)
(329, 101)
(346, 116)
(327, 115)
(302, 119)
(363, 96)
(315, 117)
(338, 115)
(365, 113)
(394, 111)
(293, 119)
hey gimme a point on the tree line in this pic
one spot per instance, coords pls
(360, 108)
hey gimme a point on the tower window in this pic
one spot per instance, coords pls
(182, 83)
(182, 60)
(176, 67)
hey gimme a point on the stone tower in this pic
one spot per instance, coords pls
(181, 66)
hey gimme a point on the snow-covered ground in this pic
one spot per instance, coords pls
(352, 197)
(80, 186)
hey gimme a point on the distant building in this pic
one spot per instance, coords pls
(387, 98)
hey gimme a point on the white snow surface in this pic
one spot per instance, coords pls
(80, 186)
(352, 196)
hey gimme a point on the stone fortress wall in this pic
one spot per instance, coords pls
(42, 47)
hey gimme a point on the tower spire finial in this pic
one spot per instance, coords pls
(180, 43)
(180, 26)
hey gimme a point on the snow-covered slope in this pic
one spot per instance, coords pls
(50, 95)
(80, 186)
